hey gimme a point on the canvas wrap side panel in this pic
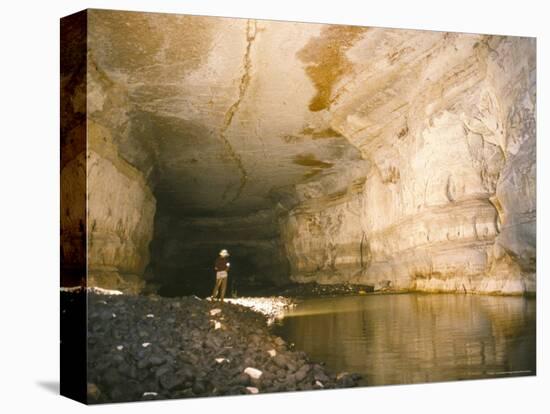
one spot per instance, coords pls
(73, 223)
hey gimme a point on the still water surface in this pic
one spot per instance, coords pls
(414, 338)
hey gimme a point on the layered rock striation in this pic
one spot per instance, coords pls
(447, 123)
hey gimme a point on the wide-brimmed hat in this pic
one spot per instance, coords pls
(224, 253)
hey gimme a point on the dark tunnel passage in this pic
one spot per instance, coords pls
(211, 194)
(183, 251)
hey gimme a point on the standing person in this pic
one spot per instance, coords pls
(221, 267)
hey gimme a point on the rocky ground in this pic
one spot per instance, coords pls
(308, 290)
(150, 347)
(272, 307)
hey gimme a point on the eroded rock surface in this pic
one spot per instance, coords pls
(448, 130)
(447, 122)
(120, 203)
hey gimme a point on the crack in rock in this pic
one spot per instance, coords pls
(230, 114)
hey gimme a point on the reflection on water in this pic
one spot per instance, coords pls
(412, 338)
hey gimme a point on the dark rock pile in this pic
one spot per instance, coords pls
(148, 347)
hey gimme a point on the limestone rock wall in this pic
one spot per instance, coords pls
(322, 235)
(120, 212)
(120, 205)
(447, 123)
(514, 253)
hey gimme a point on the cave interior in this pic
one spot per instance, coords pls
(313, 153)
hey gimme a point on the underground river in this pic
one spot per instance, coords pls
(416, 338)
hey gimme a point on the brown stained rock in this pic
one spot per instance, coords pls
(145, 42)
(326, 56)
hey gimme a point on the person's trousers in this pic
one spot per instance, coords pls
(219, 287)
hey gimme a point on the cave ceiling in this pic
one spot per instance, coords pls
(233, 112)
(228, 116)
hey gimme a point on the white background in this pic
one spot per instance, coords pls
(29, 193)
